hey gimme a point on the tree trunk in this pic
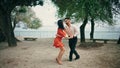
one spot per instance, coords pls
(6, 27)
(2, 36)
(82, 30)
(118, 42)
(92, 28)
(9, 32)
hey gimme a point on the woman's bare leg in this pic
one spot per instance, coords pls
(59, 58)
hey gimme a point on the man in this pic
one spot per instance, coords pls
(72, 32)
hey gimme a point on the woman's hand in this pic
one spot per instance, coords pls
(67, 38)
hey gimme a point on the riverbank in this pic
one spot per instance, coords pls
(41, 54)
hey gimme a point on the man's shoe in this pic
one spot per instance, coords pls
(70, 59)
(77, 57)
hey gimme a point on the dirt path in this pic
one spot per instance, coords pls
(41, 54)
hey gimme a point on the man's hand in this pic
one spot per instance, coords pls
(68, 37)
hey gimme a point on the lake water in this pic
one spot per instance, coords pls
(50, 32)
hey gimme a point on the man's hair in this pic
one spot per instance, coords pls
(67, 18)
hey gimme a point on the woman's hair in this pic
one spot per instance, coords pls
(60, 24)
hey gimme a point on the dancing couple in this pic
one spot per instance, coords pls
(69, 32)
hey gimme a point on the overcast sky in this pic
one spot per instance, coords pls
(46, 13)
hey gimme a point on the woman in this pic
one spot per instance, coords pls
(58, 41)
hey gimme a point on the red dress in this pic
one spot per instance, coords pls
(58, 40)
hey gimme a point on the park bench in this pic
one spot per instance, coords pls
(30, 38)
(105, 40)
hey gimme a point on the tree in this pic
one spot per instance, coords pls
(86, 10)
(6, 7)
(35, 23)
(27, 15)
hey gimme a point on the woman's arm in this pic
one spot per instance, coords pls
(58, 35)
(68, 34)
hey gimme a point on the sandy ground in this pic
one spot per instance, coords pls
(41, 54)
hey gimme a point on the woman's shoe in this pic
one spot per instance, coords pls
(60, 63)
